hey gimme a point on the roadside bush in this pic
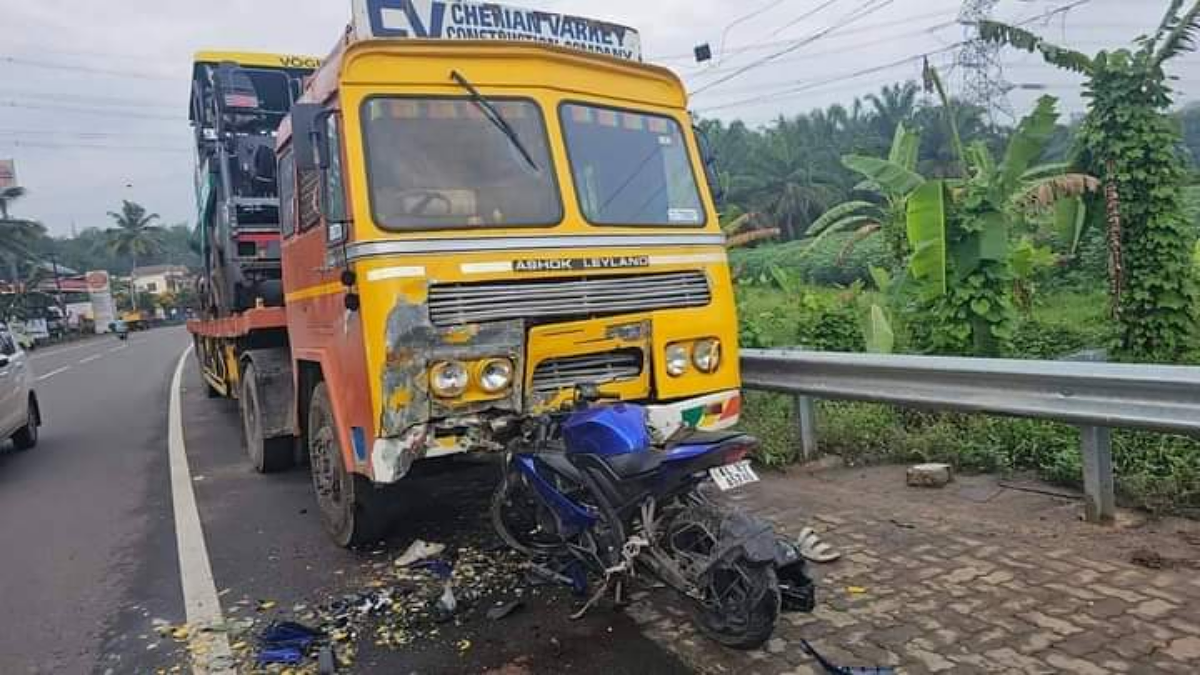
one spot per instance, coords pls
(829, 264)
(1036, 339)
(829, 323)
(1156, 472)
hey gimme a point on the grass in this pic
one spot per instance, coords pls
(1157, 472)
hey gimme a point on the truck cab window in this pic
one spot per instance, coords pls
(287, 193)
(334, 186)
(440, 163)
(630, 168)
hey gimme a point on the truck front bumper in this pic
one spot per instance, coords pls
(391, 458)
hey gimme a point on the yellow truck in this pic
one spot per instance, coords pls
(481, 208)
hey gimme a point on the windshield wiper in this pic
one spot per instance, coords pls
(494, 116)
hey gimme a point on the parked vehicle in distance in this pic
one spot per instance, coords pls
(20, 416)
(121, 329)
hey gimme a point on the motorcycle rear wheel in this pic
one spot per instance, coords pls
(752, 621)
(740, 599)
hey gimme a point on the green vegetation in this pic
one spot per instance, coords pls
(1129, 139)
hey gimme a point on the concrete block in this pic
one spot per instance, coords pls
(929, 475)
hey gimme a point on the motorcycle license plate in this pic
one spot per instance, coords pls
(733, 476)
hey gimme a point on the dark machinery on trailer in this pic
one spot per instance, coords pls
(238, 101)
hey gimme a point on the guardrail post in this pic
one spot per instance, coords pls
(1100, 502)
(806, 420)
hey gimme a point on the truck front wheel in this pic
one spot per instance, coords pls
(266, 454)
(351, 508)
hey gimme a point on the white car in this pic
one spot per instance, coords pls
(19, 414)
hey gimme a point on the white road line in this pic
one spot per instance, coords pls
(53, 373)
(89, 359)
(42, 352)
(117, 349)
(210, 649)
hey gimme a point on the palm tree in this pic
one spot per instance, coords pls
(7, 196)
(894, 105)
(134, 236)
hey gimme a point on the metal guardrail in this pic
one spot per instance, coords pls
(1096, 397)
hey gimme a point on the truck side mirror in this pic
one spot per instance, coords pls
(307, 133)
(709, 159)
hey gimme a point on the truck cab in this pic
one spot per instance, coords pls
(481, 209)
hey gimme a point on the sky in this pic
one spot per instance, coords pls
(93, 95)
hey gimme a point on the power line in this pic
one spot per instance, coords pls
(112, 72)
(792, 90)
(804, 16)
(91, 99)
(787, 93)
(85, 134)
(840, 49)
(742, 19)
(103, 112)
(868, 7)
(93, 146)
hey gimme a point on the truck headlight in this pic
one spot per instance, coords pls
(448, 379)
(706, 354)
(495, 375)
(677, 359)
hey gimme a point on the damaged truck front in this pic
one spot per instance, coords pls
(474, 228)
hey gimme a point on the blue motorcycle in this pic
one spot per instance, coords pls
(588, 492)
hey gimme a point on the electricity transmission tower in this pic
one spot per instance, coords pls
(978, 61)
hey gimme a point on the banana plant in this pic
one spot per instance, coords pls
(959, 229)
(955, 224)
(887, 184)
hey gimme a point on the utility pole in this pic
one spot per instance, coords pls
(983, 82)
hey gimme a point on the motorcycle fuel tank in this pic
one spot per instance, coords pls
(608, 430)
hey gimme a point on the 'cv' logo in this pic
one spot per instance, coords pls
(407, 18)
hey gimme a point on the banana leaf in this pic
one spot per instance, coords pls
(1027, 144)
(879, 336)
(893, 178)
(926, 213)
(1070, 217)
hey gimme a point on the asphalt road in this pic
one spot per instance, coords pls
(85, 517)
(90, 565)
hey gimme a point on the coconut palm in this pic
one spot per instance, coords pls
(7, 196)
(893, 106)
(134, 236)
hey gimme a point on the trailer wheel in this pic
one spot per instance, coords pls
(351, 508)
(266, 454)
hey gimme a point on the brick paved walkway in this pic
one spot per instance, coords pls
(972, 578)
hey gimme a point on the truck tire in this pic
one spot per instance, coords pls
(27, 437)
(351, 508)
(266, 454)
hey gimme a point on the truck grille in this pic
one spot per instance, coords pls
(555, 374)
(456, 304)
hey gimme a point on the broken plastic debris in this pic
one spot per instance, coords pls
(834, 669)
(503, 609)
(448, 603)
(325, 663)
(855, 590)
(419, 550)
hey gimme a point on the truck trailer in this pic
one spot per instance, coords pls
(477, 209)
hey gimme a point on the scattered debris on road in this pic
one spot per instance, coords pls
(403, 602)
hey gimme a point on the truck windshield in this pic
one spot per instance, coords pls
(440, 163)
(630, 168)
